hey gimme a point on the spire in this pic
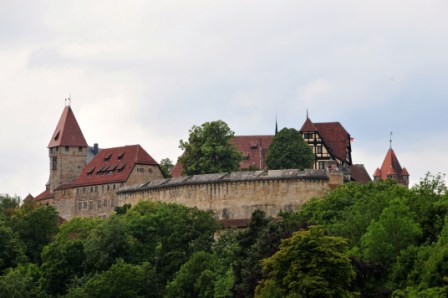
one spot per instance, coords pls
(390, 141)
(276, 125)
(67, 132)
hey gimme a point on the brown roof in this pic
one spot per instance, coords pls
(249, 146)
(29, 197)
(360, 174)
(308, 126)
(336, 137)
(67, 132)
(391, 166)
(113, 165)
(46, 194)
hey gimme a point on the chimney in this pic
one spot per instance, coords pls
(95, 148)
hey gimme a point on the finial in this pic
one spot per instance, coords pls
(307, 114)
(68, 101)
(390, 140)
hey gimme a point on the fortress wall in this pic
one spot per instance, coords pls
(237, 195)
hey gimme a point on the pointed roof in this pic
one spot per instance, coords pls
(67, 132)
(308, 126)
(391, 166)
(377, 173)
(113, 165)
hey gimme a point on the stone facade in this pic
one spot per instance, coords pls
(66, 163)
(98, 200)
(237, 195)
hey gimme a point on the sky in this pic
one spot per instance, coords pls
(144, 72)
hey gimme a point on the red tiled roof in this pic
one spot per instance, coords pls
(29, 197)
(67, 132)
(249, 146)
(404, 172)
(391, 166)
(359, 174)
(44, 195)
(333, 134)
(107, 167)
(336, 137)
(308, 126)
(377, 173)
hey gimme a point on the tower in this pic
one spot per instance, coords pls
(67, 150)
(391, 169)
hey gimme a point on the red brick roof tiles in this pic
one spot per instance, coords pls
(113, 165)
(67, 132)
(252, 147)
(391, 166)
(335, 137)
(308, 126)
(359, 173)
(44, 195)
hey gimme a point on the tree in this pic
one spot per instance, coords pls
(395, 230)
(36, 227)
(208, 150)
(309, 264)
(166, 165)
(288, 150)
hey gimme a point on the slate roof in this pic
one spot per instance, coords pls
(391, 166)
(333, 135)
(67, 132)
(113, 165)
(249, 146)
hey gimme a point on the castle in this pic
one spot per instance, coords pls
(86, 181)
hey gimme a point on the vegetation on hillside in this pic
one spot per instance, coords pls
(374, 240)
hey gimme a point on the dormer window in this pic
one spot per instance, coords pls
(57, 136)
(120, 156)
(121, 167)
(89, 173)
(107, 157)
(253, 145)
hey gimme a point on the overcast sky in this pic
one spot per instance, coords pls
(144, 72)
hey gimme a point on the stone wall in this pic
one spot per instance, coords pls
(66, 163)
(237, 195)
(98, 200)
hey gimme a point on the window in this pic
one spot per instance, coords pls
(321, 165)
(91, 189)
(114, 186)
(54, 163)
(84, 205)
(66, 148)
(79, 205)
(105, 203)
(107, 187)
(308, 135)
(90, 205)
(80, 149)
(100, 203)
(319, 149)
(149, 170)
(77, 191)
(112, 202)
(96, 188)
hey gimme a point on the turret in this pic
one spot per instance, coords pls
(67, 150)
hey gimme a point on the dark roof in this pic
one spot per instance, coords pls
(336, 137)
(360, 174)
(113, 165)
(333, 135)
(391, 166)
(67, 132)
(249, 146)
(29, 197)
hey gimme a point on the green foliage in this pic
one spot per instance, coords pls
(61, 262)
(309, 264)
(208, 150)
(21, 282)
(8, 204)
(166, 165)
(289, 150)
(36, 227)
(195, 278)
(122, 280)
(12, 250)
(395, 230)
